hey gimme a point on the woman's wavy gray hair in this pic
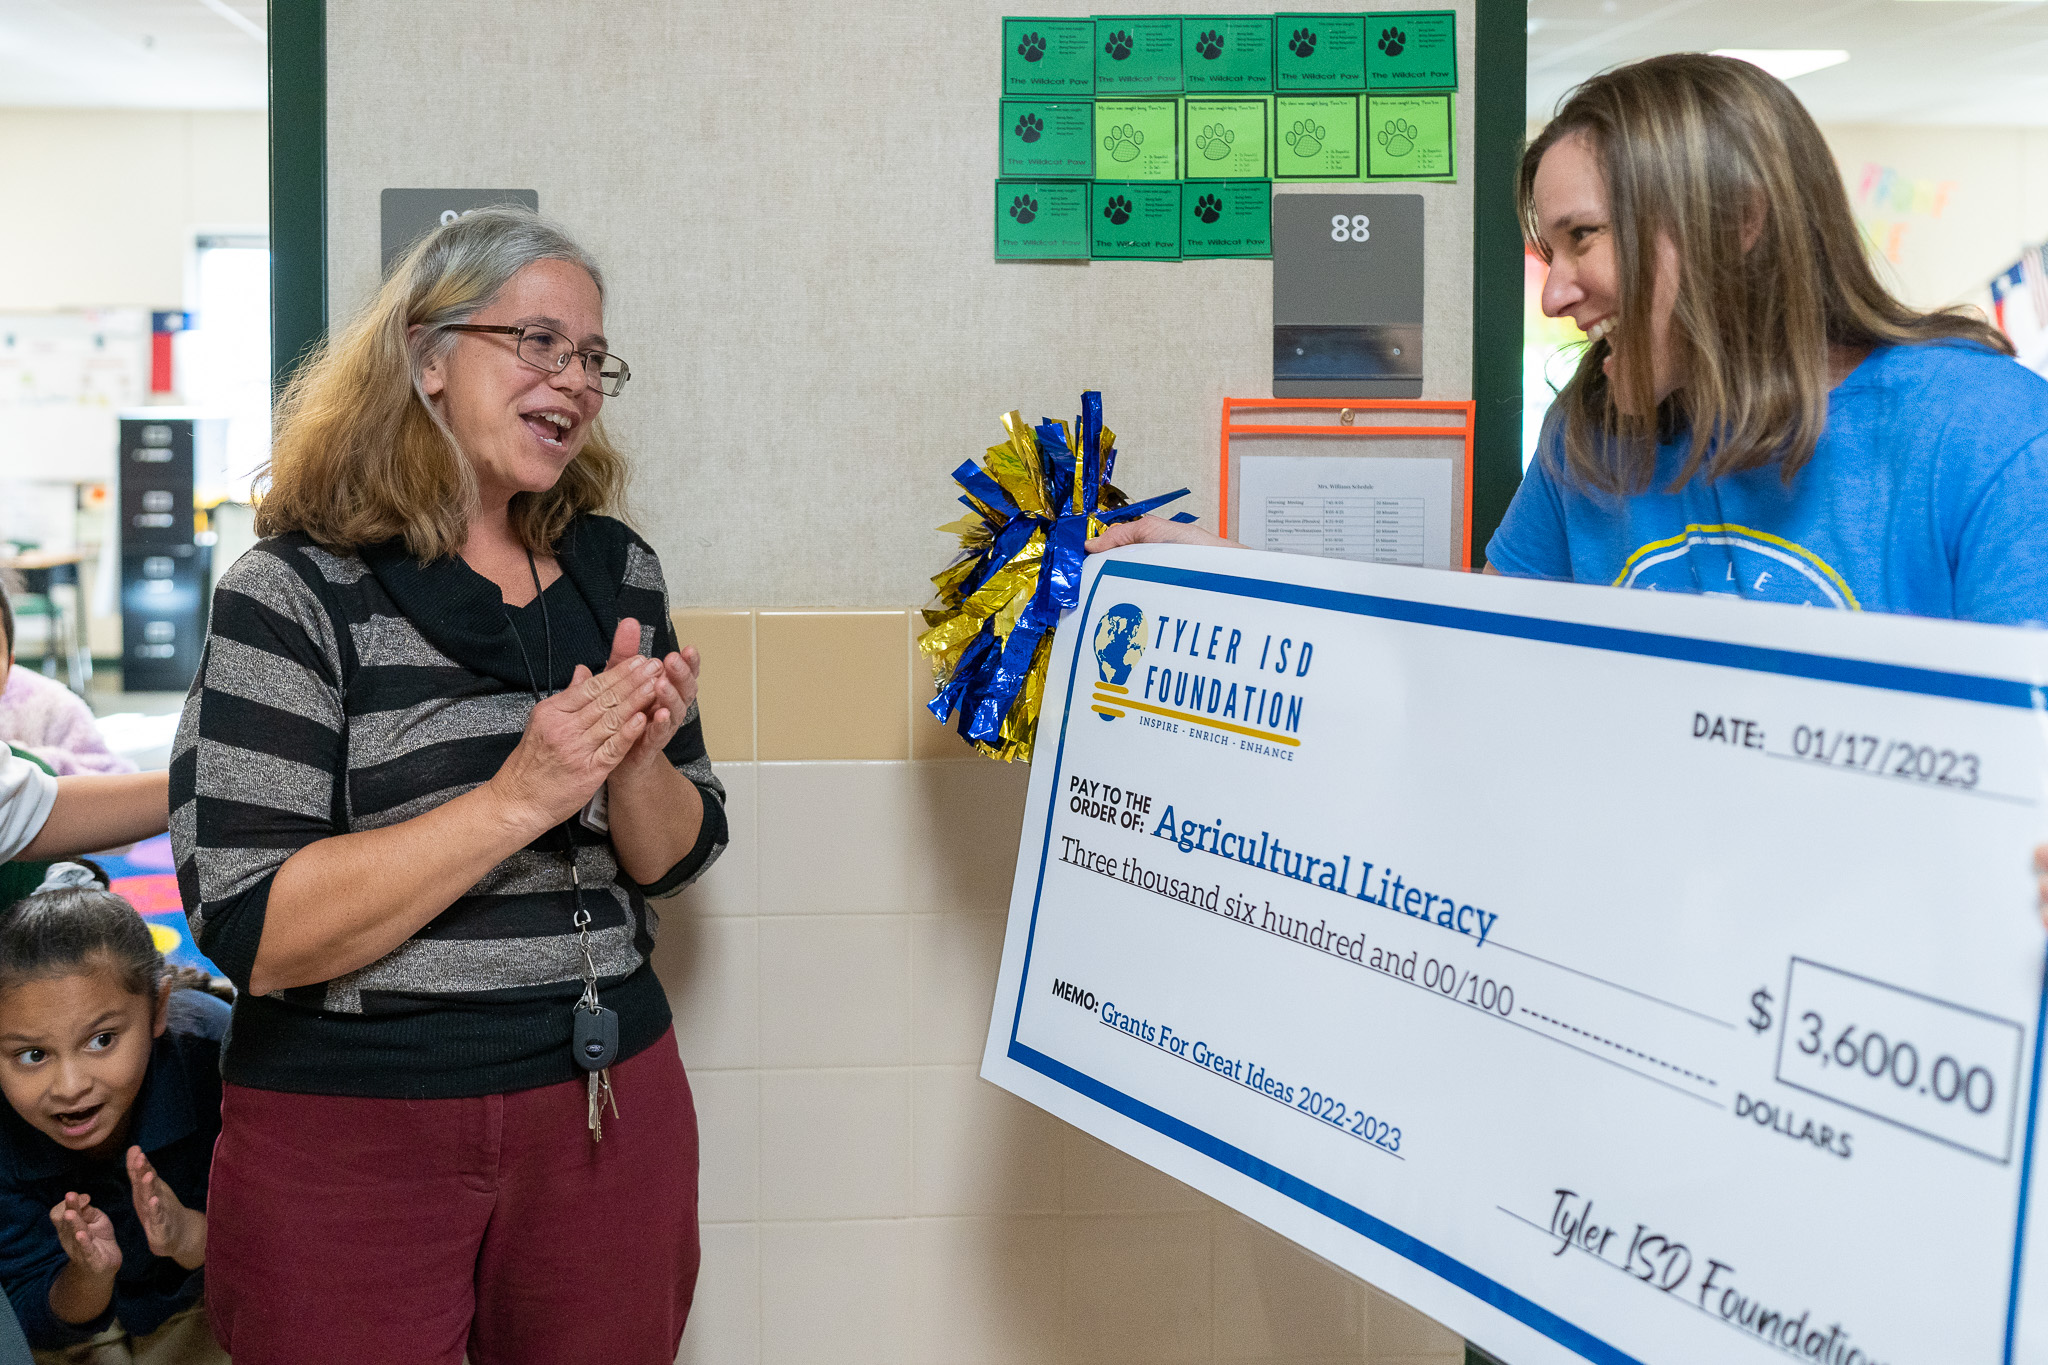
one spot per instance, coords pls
(360, 454)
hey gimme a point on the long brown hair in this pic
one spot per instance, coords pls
(1722, 160)
(359, 455)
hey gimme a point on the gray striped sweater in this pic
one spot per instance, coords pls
(353, 691)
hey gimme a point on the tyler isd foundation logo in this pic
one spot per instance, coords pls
(1119, 644)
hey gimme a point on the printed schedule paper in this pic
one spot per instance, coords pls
(1613, 976)
(1378, 508)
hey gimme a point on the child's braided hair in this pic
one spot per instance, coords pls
(67, 929)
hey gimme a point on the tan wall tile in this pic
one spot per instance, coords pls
(985, 1290)
(1097, 1178)
(835, 990)
(840, 838)
(835, 1292)
(835, 1144)
(970, 816)
(708, 967)
(978, 1149)
(725, 1317)
(732, 885)
(725, 680)
(1275, 1301)
(1136, 1287)
(728, 1145)
(831, 684)
(1395, 1329)
(953, 961)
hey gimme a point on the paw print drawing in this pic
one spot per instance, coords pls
(1398, 137)
(1119, 46)
(1303, 42)
(1208, 208)
(1031, 47)
(1023, 208)
(1214, 142)
(1305, 139)
(1030, 127)
(1117, 210)
(1392, 41)
(1123, 143)
(1210, 45)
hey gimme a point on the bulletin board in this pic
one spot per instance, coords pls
(1384, 480)
(1159, 136)
(63, 376)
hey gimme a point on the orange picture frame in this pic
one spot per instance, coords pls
(1463, 411)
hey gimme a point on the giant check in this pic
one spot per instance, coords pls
(1612, 976)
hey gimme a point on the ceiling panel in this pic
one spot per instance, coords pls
(1910, 61)
(132, 54)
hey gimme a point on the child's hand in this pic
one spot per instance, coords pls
(87, 1235)
(173, 1230)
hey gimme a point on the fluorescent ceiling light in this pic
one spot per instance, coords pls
(1786, 62)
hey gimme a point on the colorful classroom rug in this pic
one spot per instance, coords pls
(144, 876)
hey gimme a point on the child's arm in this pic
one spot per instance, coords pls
(173, 1230)
(102, 812)
(85, 1286)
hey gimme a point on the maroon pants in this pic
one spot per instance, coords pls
(357, 1230)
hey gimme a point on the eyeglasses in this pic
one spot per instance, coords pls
(548, 352)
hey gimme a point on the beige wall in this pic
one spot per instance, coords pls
(1956, 208)
(103, 203)
(795, 213)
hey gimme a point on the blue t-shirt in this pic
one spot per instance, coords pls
(1927, 495)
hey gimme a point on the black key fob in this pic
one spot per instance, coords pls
(597, 1038)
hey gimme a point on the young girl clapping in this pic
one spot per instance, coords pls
(112, 1080)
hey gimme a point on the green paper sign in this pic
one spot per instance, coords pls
(1048, 138)
(1317, 137)
(1135, 220)
(1412, 51)
(1408, 137)
(1225, 139)
(1048, 57)
(1227, 218)
(1137, 55)
(1041, 219)
(1136, 140)
(1319, 51)
(1222, 55)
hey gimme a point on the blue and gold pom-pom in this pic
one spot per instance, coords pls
(1035, 500)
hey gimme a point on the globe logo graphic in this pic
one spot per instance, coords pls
(1119, 643)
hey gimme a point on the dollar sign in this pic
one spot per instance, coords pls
(1760, 1001)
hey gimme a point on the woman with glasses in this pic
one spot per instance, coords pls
(442, 751)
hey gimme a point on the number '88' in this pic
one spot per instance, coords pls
(1345, 228)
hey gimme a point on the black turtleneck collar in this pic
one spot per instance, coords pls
(462, 613)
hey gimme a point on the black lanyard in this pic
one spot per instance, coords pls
(594, 1040)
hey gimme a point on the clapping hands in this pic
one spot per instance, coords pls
(172, 1229)
(87, 1235)
(674, 689)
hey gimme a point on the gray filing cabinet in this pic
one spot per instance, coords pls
(165, 573)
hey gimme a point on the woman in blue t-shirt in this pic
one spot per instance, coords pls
(1755, 415)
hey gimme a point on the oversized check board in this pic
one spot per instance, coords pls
(1613, 976)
